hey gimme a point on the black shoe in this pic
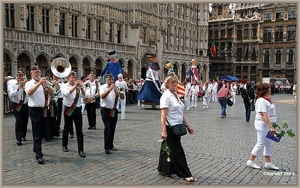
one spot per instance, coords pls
(19, 143)
(81, 154)
(24, 138)
(90, 127)
(107, 151)
(71, 135)
(113, 149)
(40, 160)
(94, 128)
(65, 149)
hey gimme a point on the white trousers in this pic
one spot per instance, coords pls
(194, 100)
(233, 96)
(187, 100)
(214, 96)
(123, 105)
(262, 144)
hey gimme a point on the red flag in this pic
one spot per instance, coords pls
(213, 49)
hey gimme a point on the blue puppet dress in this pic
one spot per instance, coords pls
(150, 92)
(112, 67)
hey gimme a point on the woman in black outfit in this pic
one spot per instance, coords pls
(172, 114)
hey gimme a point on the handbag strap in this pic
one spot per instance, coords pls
(248, 94)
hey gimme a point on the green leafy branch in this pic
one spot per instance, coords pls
(283, 128)
(165, 148)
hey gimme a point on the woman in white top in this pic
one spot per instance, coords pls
(264, 119)
(172, 110)
(206, 96)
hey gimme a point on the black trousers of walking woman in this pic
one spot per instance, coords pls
(178, 164)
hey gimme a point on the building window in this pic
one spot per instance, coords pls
(45, 20)
(239, 53)
(223, 33)
(111, 32)
(145, 35)
(278, 56)
(88, 28)
(267, 34)
(220, 10)
(9, 16)
(98, 30)
(279, 15)
(119, 34)
(266, 56)
(216, 33)
(292, 14)
(267, 16)
(291, 32)
(74, 25)
(253, 55)
(278, 34)
(254, 31)
(229, 32)
(62, 26)
(246, 52)
(30, 19)
(239, 32)
(290, 55)
(246, 31)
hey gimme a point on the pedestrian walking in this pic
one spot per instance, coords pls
(265, 116)
(223, 95)
(248, 97)
(172, 114)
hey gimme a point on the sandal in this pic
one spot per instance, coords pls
(190, 179)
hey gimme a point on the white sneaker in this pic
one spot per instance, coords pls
(206, 106)
(188, 109)
(271, 166)
(252, 164)
(203, 106)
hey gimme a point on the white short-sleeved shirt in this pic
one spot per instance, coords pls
(188, 89)
(37, 99)
(175, 107)
(16, 95)
(70, 97)
(195, 89)
(262, 105)
(109, 100)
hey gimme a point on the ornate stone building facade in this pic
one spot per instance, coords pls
(263, 43)
(83, 33)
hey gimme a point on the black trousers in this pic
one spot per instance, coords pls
(76, 117)
(39, 125)
(21, 117)
(109, 127)
(59, 111)
(178, 164)
(91, 113)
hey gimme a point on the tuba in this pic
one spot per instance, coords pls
(61, 67)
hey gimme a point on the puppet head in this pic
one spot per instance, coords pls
(193, 63)
(112, 54)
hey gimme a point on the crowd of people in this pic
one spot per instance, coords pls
(44, 100)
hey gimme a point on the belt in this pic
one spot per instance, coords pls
(222, 97)
(103, 108)
(74, 108)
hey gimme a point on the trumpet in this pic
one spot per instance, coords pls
(117, 89)
(47, 82)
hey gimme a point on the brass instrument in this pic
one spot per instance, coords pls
(120, 91)
(61, 67)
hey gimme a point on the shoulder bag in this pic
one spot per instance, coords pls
(178, 129)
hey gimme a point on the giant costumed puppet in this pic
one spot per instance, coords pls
(112, 67)
(180, 86)
(193, 72)
(150, 92)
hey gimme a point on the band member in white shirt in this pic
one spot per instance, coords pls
(38, 101)
(73, 92)
(109, 112)
(19, 101)
(194, 94)
(91, 92)
(122, 85)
